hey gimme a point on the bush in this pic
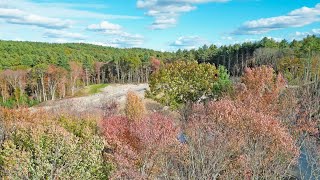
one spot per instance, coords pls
(83, 128)
(51, 153)
(22, 101)
(262, 89)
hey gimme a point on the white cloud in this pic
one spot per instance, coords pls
(228, 38)
(16, 16)
(63, 22)
(303, 34)
(50, 15)
(128, 42)
(296, 18)
(188, 42)
(121, 42)
(58, 34)
(106, 27)
(11, 13)
(167, 12)
(121, 38)
(103, 44)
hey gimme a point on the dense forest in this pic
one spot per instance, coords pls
(15, 55)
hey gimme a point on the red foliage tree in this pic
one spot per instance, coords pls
(262, 89)
(155, 64)
(138, 145)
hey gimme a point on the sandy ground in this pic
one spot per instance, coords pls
(93, 103)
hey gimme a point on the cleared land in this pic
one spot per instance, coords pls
(95, 102)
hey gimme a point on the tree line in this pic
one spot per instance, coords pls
(35, 72)
(282, 55)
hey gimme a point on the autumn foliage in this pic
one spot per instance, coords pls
(155, 64)
(236, 137)
(261, 89)
(237, 142)
(257, 132)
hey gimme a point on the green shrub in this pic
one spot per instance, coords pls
(40, 146)
(79, 127)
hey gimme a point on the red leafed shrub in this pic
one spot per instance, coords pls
(229, 141)
(155, 131)
(139, 145)
(116, 129)
(117, 132)
(251, 124)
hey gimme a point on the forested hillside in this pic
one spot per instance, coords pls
(29, 54)
(33, 72)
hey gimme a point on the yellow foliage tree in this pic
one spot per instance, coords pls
(134, 108)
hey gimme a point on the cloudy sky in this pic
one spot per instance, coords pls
(157, 24)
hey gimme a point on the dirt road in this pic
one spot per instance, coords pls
(94, 102)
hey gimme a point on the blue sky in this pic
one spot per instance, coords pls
(157, 24)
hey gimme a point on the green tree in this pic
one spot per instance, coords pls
(183, 81)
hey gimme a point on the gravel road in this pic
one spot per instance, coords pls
(116, 92)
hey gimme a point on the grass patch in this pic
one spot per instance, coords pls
(90, 90)
(96, 88)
